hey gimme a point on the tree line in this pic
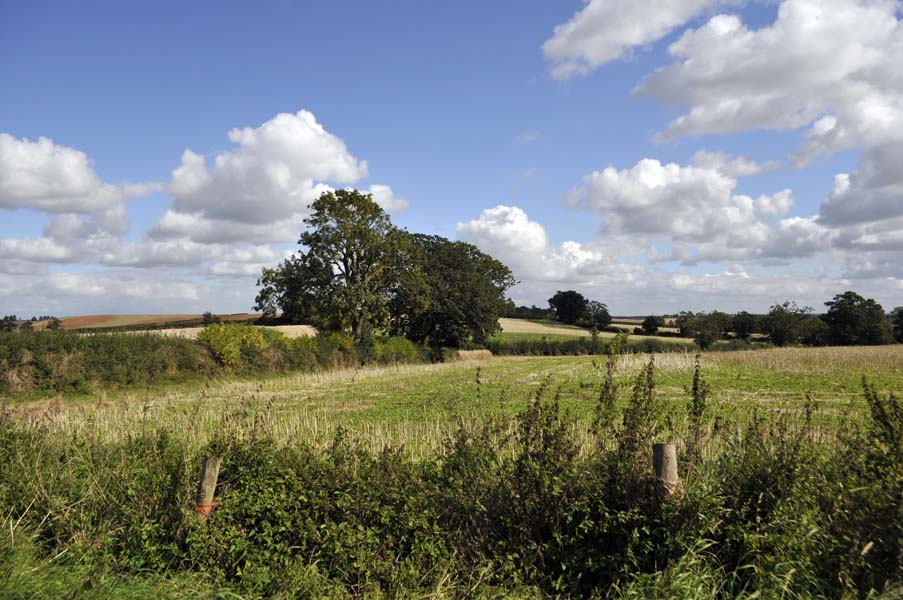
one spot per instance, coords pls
(850, 320)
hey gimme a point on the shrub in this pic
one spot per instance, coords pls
(228, 341)
(396, 350)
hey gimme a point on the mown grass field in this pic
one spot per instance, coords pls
(419, 406)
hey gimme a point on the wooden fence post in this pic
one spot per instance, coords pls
(207, 487)
(664, 464)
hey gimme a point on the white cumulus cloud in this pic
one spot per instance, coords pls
(48, 177)
(605, 30)
(831, 65)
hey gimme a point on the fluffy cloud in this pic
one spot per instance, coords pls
(696, 210)
(386, 198)
(615, 276)
(874, 192)
(506, 233)
(732, 166)
(832, 65)
(58, 179)
(269, 177)
(261, 191)
(605, 30)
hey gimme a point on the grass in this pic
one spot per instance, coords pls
(418, 406)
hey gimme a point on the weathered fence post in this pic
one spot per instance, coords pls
(207, 487)
(664, 463)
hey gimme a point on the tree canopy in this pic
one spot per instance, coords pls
(853, 320)
(784, 321)
(569, 306)
(652, 323)
(457, 293)
(352, 260)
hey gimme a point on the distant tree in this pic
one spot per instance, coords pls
(744, 325)
(896, 321)
(210, 318)
(683, 322)
(652, 323)
(814, 332)
(27, 326)
(533, 312)
(853, 320)
(597, 314)
(569, 306)
(8, 323)
(455, 294)
(708, 328)
(351, 262)
(783, 322)
(54, 324)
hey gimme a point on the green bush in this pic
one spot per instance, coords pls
(227, 341)
(396, 350)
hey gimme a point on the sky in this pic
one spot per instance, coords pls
(654, 155)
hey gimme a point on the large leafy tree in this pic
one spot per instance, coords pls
(784, 321)
(351, 261)
(569, 306)
(853, 320)
(456, 295)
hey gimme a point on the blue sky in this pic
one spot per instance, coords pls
(484, 120)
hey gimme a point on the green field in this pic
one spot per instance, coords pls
(497, 478)
(418, 406)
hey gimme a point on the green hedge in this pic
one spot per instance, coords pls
(71, 362)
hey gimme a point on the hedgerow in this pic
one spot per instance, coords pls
(71, 362)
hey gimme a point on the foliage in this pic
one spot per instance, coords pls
(744, 325)
(896, 320)
(706, 328)
(64, 362)
(570, 307)
(351, 261)
(784, 321)
(209, 318)
(652, 323)
(56, 361)
(396, 350)
(531, 312)
(597, 315)
(814, 332)
(854, 321)
(227, 341)
(457, 294)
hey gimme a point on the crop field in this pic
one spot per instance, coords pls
(522, 329)
(482, 477)
(290, 331)
(420, 406)
(113, 321)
